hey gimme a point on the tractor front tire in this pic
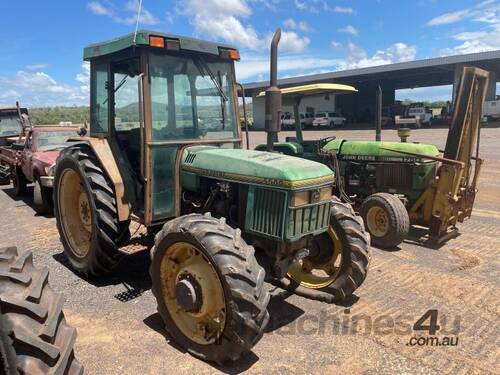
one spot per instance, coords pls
(339, 261)
(86, 213)
(209, 287)
(35, 338)
(387, 220)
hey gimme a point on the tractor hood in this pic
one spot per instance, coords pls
(255, 167)
(371, 150)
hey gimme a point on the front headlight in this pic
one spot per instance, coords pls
(49, 171)
(302, 198)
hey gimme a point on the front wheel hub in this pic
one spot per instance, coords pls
(188, 294)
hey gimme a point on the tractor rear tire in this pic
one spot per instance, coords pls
(42, 199)
(387, 220)
(347, 246)
(19, 182)
(87, 221)
(240, 288)
(35, 338)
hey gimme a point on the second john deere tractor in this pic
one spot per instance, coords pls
(395, 185)
(165, 150)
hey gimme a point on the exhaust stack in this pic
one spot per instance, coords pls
(273, 96)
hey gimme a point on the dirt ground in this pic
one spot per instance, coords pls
(120, 332)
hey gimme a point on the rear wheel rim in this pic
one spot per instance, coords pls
(75, 213)
(204, 322)
(317, 275)
(377, 221)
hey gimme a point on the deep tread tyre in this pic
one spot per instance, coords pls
(42, 199)
(241, 276)
(399, 221)
(107, 232)
(355, 250)
(19, 182)
(35, 338)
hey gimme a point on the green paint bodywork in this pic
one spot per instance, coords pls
(372, 148)
(272, 180)
(361, 153)
(96, 50)
(255, 167)
(423, 170)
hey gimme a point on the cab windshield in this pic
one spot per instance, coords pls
(191, 98)
(10, 126)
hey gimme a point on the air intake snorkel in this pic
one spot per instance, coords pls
(273, 96)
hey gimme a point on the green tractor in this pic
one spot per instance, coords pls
(398, 184)
(164, 150)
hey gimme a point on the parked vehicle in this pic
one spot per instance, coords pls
(306, 119)
(415, 117)
(11, 123)
(328, 119)
(32, 160)
(287, 121)
(491, 110)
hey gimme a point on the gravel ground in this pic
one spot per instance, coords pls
(119, 331)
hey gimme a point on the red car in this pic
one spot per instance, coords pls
(35, 159)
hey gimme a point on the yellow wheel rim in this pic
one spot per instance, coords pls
(316, 275)
(377, 221)
(75, 213)
(205, 323)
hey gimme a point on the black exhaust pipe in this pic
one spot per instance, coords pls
(273, 96)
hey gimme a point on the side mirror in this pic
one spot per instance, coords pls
(18, 146)
(82, 132)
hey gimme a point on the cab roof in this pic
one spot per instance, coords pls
(315, 88)
(96, 50)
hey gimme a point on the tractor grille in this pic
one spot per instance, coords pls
(268, 214)
(308, 219)
(394, 175)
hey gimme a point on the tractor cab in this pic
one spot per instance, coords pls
(153, 93)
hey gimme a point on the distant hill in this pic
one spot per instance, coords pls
(54, 115)
(79, 115)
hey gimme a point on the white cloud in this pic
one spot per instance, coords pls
(36, 66)
(349, 29)
(300, 5)
(344, 10)
(38, 89)
(357, 57)
(169, 18)
(257, 67)
(297, 25)
(99, 9)
(486, 16)
(226, 21)
(335, 45)
(228, 28)
(482, 11)
(447, 18)
(291, 41)
(128, 15)
(222, 21)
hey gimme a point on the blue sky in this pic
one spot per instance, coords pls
(42, 41)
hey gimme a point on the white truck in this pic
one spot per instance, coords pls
(491, 110)
(415, 118)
